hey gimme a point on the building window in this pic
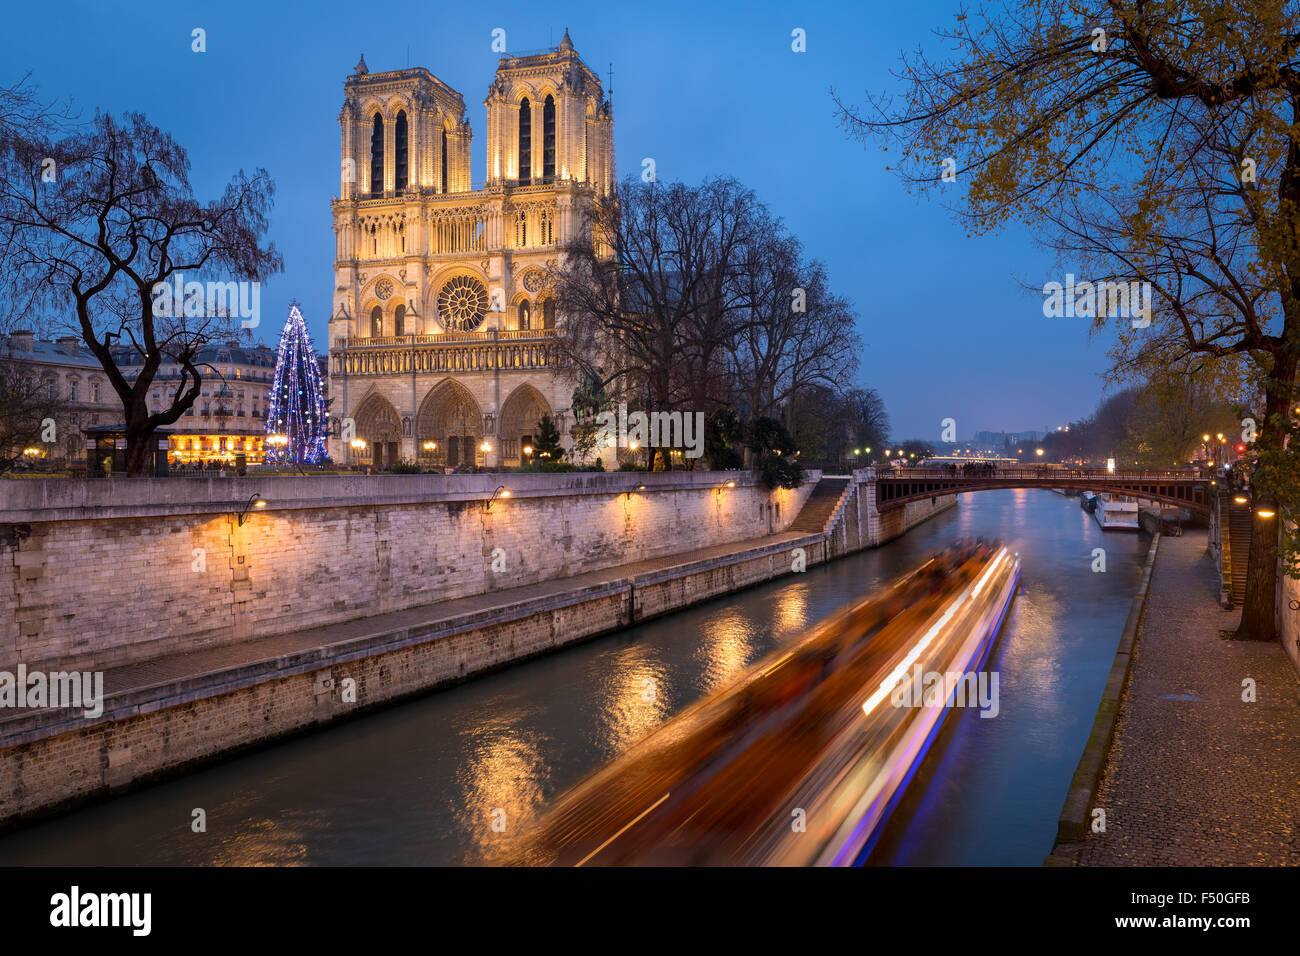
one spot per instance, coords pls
(525, 141)
(377, 157)
(521, 230)
(376, 322)
(548, 139)
(51, 391)
(525, 315)
(72, 392)
(399, 320)
(94, 392)
(444, 160)
(399, 134)
(548, 314)
(547, 224)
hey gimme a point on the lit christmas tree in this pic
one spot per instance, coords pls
(295, 417)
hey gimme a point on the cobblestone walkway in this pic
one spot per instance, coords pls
(1196, 776)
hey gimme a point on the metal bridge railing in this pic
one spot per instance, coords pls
(1045, 473)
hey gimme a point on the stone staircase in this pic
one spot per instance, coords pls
(820, 506)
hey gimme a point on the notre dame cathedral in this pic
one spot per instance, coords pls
(442, 338)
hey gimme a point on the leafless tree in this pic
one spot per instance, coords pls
(95, 222)
(685, 297)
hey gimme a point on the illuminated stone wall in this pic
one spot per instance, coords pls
(108, 572)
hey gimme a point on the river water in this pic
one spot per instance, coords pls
(426, 781)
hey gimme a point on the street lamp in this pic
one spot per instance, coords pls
(1038, 452)
(254, 501)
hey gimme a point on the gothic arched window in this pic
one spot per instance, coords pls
(521, 230)
(548, 314)
(525, 140)
(399, 320)
(548, 139)
(377, 157)
(376, 322)
(399, 150)
(525, 314)
(444, 160)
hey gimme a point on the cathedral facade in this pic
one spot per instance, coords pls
(442, 342)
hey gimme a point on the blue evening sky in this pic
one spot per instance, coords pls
(704, 88)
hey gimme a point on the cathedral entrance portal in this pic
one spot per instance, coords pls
(519, 418)
(380, 427)
(450, 418)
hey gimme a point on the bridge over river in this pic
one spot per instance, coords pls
(1189, 488)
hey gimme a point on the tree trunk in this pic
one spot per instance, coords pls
(139, 463)
(1259, 605)
(139, 439)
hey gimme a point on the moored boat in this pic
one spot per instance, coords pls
(1116, 512)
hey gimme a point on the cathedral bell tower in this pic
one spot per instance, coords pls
(548, 121)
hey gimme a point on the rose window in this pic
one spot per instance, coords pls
(462, 303)
(383, 288)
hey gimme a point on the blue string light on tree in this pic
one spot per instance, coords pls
(295, 418)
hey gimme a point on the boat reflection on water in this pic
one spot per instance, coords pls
(800, 761)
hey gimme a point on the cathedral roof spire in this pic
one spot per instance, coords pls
(566, 44)
(361, 68)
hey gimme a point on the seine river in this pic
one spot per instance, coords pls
(418, 783)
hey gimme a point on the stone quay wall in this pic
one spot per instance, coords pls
(105, 572)
(52, 760)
